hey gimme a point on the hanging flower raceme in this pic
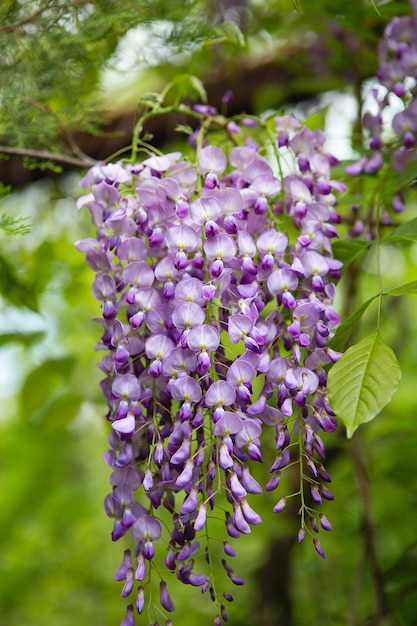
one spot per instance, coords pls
(215, 325)
(397, 76)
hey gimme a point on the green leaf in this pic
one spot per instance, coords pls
(27, 339)
(198, 86)
(343, 333)
(403, 290)
(43, 385)
(347, 250)
(184, 86)
(184, 128)
(406, 231)
(150, 99)
(363, 381)
(233, 33)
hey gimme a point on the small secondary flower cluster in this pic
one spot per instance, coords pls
(397, 73)
(215, 327)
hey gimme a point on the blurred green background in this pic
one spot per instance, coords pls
(56, 557)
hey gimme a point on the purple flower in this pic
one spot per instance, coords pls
(125, 426)
(206, 302)
(282, 282)
(140, 600)
(126, 387)
(129, 619)
(146, 528)
(165, 598)
(219, 394)
(200, 520)
(318, 548)
(229, 424)
(212, 160)
(126, 564)
(203, 339)
(188, 314)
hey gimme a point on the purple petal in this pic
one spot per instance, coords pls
(186, 388)
(229, 424)
(200, 521)
(125, 426)
(239, 520)
(318, 548)
(129, 619)
(127, 387)
(249, 514)
(212, 160)
(104, 287)
(165, 598)
(220, 393)
(140, 599)
(203, 337)
(146, 528)
(280, 505)
(121, 572)
(250, 484)
(138, 274)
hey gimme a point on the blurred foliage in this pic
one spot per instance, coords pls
(57, 559)
(52, 55)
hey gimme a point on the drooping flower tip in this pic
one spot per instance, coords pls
(165, 598)
(325, 524)
(129, 619)
(280, 505)
(318, 548)
(182, 273)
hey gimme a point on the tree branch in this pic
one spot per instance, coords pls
(370, 555)
(64, 129)
(9, 28)
(46, 155)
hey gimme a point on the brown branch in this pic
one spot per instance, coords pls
(9, 28)
(370, 549)
(64, 129)
(46, 155)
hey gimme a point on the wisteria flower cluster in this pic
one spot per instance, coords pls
(216, 280)
(397, 75)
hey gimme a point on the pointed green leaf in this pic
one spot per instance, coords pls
(198, 86)
(343, 333)
(184, 128)
(363, 381)
(233, 33)
(404, 290)
(406, 231)
(150, 98)
(184, 86)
